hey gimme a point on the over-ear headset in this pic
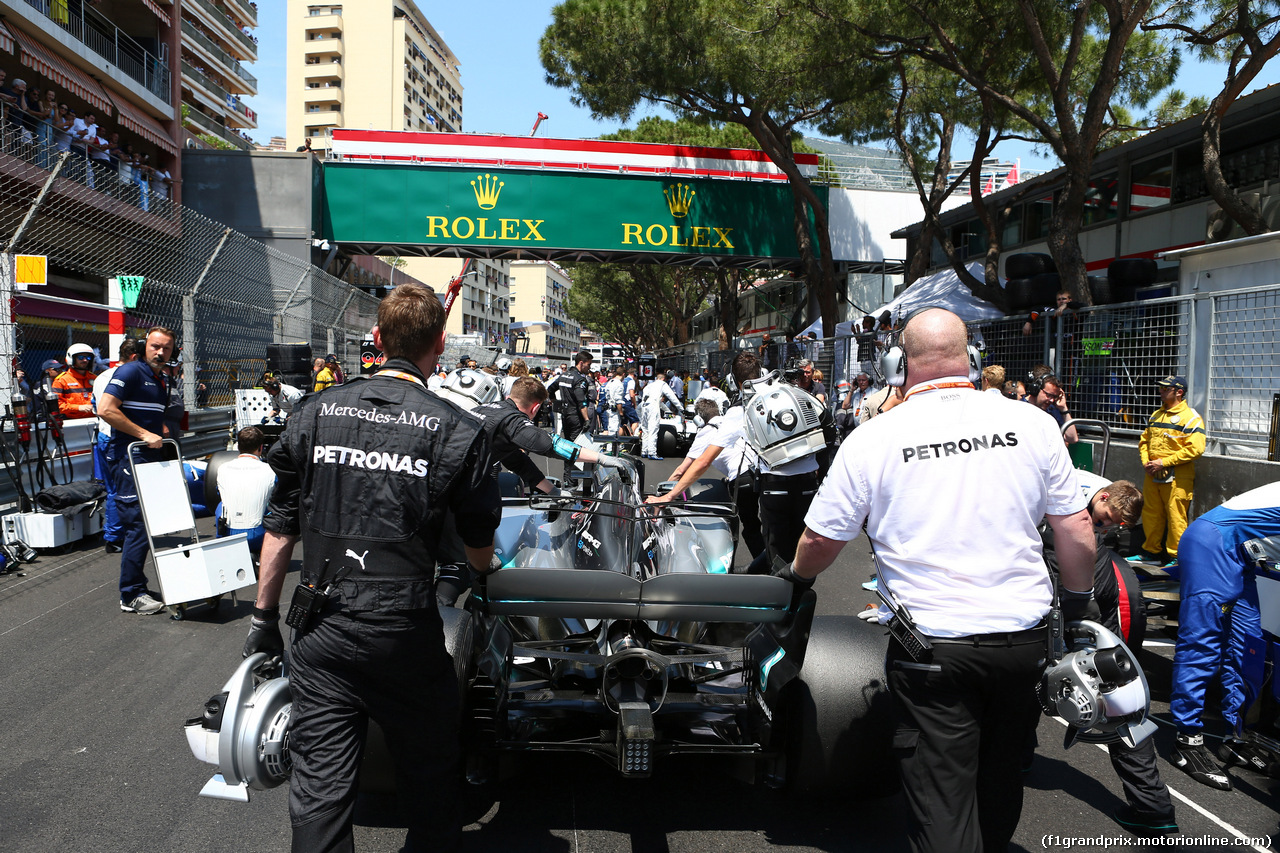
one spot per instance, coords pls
(1034, 382)
(893, 363)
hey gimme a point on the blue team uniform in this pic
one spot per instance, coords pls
(143, 397)
(1219, 616)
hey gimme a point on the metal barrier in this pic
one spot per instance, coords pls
(1107, 357)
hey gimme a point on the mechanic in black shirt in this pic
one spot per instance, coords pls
(365, 475)
(512, 437)
(572, 396)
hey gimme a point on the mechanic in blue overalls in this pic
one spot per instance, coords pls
(1217, 621)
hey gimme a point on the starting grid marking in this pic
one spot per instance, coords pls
(1236, 839)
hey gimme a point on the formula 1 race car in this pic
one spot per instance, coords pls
(619, 630)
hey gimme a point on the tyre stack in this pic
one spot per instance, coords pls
(1031, 281)
(1126, 275)
(290, 362)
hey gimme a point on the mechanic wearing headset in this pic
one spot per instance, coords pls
(928, 480)
(373, 648)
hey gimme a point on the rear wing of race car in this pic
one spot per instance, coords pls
(583, 594)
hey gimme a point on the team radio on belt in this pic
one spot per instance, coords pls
(382, 626)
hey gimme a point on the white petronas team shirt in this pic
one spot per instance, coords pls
(952, 484)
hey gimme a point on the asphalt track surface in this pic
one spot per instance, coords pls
(92, 755)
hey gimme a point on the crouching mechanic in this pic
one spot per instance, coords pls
(374, 647)
(244, 486)
(1148, 809)
(927, 483)
(1219, 620)
(651, 399)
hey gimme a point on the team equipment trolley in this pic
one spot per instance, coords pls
(190, 570)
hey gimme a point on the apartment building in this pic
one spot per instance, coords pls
(539, 303)
(483, 306)
(381, 65)
(217, 44)
(115, 64)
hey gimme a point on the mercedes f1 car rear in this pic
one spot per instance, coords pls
(620, 631)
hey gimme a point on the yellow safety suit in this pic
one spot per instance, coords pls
(1175, 438)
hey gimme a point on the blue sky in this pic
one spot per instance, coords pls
(496, 42)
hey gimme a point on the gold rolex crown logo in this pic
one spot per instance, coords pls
(487, 188)
(679, 199)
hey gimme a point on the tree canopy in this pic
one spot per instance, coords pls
(769, 67)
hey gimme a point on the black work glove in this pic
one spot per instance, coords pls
(1078, 606)
(264, 635)
(799, 585)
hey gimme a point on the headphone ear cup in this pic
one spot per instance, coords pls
(893, 365)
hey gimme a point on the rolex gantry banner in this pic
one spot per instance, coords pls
(387, 204)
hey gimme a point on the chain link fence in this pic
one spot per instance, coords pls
(226, 295)
(1107, 357)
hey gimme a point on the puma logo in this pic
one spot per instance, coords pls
(359, 557)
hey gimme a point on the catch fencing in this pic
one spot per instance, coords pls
(1108, 359)
(226, 295)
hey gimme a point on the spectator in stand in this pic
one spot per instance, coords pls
(74, 386)
(114, 151)
(993, 379)
(63, 119)
(42, 110)
(161, 182)
(7, 98)
(98, 156)
(82, 131)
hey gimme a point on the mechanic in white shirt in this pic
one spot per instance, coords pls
(615, 397)
(952, 485)
(284, 397)
(651, 400)
(727, 451)
(245, 485)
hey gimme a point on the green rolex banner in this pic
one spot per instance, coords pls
(386, 204)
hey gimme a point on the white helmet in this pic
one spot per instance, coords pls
(470, 388)
(781, 422)
(79, 349)
(503, 365)
(1099, 689)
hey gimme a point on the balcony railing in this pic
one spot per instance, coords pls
(95, 31)
(245, 111)
(219, 54)
(223, 96)
(247, 10)
(204, 124)
(225, 20)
